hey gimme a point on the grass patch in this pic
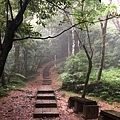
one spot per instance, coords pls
(68, 93)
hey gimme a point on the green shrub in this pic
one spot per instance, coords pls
(74, 71)
(60, 68)
(14, 84)
(17, 81)
(3, 92)
(109, 87)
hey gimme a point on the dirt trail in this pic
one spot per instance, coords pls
(19, 105)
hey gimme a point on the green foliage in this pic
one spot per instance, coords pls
(74, 71)
(15, 83)
(106, 89)
(60, 68)
(88, 11)
(21, 76)
(3, 91)
(109, 87)
(111, 75)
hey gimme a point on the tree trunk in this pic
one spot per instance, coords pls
(89, 57)
(103, 27)
(7, 45)
(25, 62)
(11, 27)
(88, 72)
(73, 39)
(16, 55)
(3, 82)
(68, 46)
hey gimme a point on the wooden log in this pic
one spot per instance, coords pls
(110, 115)
(90, 111)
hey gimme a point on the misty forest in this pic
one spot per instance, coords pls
(68, 47)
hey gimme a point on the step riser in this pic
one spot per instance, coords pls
(45, 92)
(46, 83)
(45, 115)
(45, 105)
(46, 98)
(47, 79)
(45, 112)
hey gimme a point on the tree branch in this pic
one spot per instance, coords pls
(19, 17)
(10, 10)
(7, 13)
(16, 39)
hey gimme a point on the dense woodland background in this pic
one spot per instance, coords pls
(85, 33)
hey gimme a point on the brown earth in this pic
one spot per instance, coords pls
(19, 105)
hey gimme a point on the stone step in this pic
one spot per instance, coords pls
(46, 77)
(45, 103)
(48, 96)
(45, 112)
(46, 87)
(45, 91)
(46, 81)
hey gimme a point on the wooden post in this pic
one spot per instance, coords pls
(90, 111)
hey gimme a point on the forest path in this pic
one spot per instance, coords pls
(19, 105)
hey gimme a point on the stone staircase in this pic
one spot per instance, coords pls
(46, 105)
(46, 81)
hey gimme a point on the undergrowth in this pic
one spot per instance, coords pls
(109, 86)
(73, 73)
(14, 83)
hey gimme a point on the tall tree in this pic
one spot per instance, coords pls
(73, 37)
(103, 28)
(89, 11)
(16, 55)
(43, 10)
(11, 27)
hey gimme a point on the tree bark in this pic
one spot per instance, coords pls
(25, 62)
(11, 27)
(68, 45)
(88, 72)
(73, 38)
(16, 55)
(7, 45)
(89, 57)
(3, 82)
(103, 27)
